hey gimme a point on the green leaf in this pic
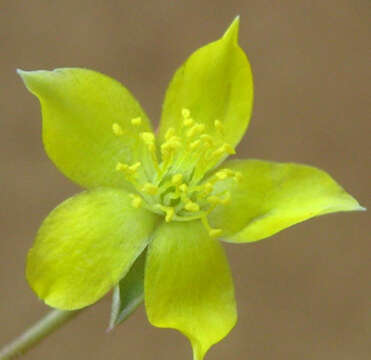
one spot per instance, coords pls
(273, 196)
(85, 246)
(79, 110)
(215, 83)
(188, 285)
(128, 293)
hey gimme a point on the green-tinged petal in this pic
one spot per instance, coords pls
(188, 285)
(87, 126)
(85, 246)
(128, 293)
(215, 83)
(270, 197)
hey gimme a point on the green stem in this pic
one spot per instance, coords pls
(52, 321)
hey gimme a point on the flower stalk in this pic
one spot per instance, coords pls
(31, 337)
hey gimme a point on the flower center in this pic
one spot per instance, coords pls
(175, 187)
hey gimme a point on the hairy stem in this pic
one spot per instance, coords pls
(31, 337)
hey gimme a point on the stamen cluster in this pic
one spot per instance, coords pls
(175, 187)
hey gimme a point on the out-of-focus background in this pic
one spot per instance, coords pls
(304, 293)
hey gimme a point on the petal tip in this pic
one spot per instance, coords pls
(233, 29)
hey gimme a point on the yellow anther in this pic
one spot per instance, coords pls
(117, 129)
(177, 179)
(150, 188)
(169, 211)
(121, 167)
(135, 166)
(191, 206)
(224, 149)
(183, 188)
(222, 174)
(208, 139)
(186, 113)
(212, 232)
(208, 187)
(196, 128)
(136, 121)
(229, 149)
(214, 200)
(169, 133)
(147, 137)
(193, 145)
(136, 201)
(238, 176)
(215, 232)
(188, 122)
(218, 126)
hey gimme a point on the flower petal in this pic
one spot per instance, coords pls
(128, 293)
(215, 83)
(85, 246)
(188, 285)
(273, 196)
(81, 110)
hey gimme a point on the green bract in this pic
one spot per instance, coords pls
(155, 205)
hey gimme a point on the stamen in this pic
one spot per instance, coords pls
(188, 122)
(183, 188)
(169, 133)
(196, 128)
(177, 179)
(212, 232)
(238, 176)
(169, 211)
(224, 149)
(219, 126)
(117, 129)
(186, 113)
(194, 144)
(136, 121)
(136, 201)
(191, 206)
(150, 188)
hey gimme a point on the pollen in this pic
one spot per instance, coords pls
(136, 121)
(117, 129)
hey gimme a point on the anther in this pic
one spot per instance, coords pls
(215, 232)
(192, 206)
(196, 128)
(238, 176)
(225, 148)
(183, 188)
(117, 129)
(136, 201)
(121, 167)
(133, 168)
(150, 188)
(177, 179)
(208, 187)
(208, 139)
(136, 121)
(193, 145)
(169, 211)
(186, 113)
(188, 122)
(169, 133)
(219, 126)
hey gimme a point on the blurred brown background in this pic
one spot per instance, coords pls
(303, 294)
